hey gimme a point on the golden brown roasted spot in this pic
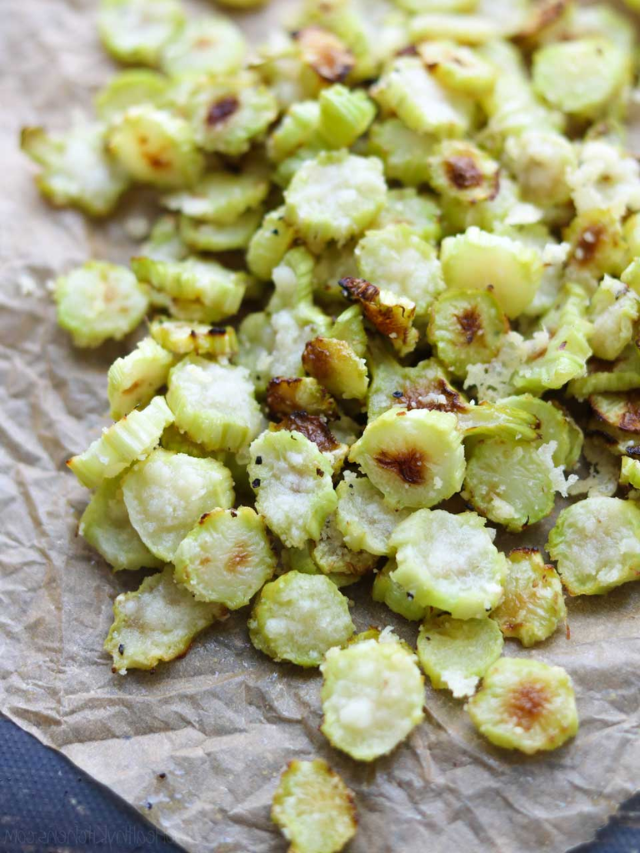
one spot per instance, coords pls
(325, 53)
(393, 321)
(312, 427)
(470, 323)
(587, 246)
(237, 559)
(284, 397)
(409, 465)
(527, 704)
(426, 397)
(222, 109)
(463, 173)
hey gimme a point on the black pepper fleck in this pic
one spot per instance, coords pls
(121, 649)
(397, 394)
(258, 460)
(255, 483)
(162, 775)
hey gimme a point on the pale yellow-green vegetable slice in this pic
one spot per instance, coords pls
(77, 169)
(580, 77)
(403, 151)
(156, 623)
(438, 5)
(461, 171)
(173, 439)
(512, 483)
(168, 492)
(164, 242)
(214, 403)
(332, 556)
(297, 129)
(540, 160)
(533, 604)
(554, 424)
(293, 281)
(202, 236)
(314, 808)
(134, 379)
(131, 88)
(345, 114)
(214, 290)
(106, 527)
(300, 560)
(300, 394)
(621, 375)
(315, 428)
(415, 457)
(415, 96)
(596, 543)
(155, 147)
(552, 362)
(182, 338)
(456, 653)
(621, 410)
(292, 481)
(419, 211)
(372, 696)
(469, 30)
(466, 327)
(614, 311)
(229, 114)
(363, 516)
(337, 367)
(604, 178)
(98, 301)
(349, 326)
(391, 315)
(335, 196)
(449, 561)
(221, 196)
(458, 67)
(525, 705)
(630, 472)
(389, 592)
(299, 617)
(137, 30)
(478, 260)
(497, 420)
(597, 247)
(130, 438)
(226, 558)
(209, 45)
(269, 244)
(397, 260)
(425, 386)
(325, 54)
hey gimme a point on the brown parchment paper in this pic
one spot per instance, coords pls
(222, 722)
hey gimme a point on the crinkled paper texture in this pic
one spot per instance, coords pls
(223, 722)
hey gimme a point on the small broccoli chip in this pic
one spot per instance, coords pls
(167, 493)
(335, 196)
(396, 260)
(226, 558)
(389, 592)
(99, 301)
(457, 67)
(299, 617)
(293, 485)
(132, 437)
(596, 543)
(214, 403)
(614, 311)
(363, 516)
(554, 424)
(466, 327)
(156, 623)
(525, 705)
(455, 654)
(332, 556)
(209, 45)
(314, 808)
(404, 152)
(106, 526)
(391, 315)
(372, 696)
(335, 365)
(300, 394)
(181, 338)
(415, 457)
(134, 379)
(77, 169)
(480, 261)
(533, 605)
(137, 30)
(450, 562)
(462, 171)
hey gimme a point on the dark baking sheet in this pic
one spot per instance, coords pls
(49, 806)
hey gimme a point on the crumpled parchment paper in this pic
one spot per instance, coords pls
(223, 722)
